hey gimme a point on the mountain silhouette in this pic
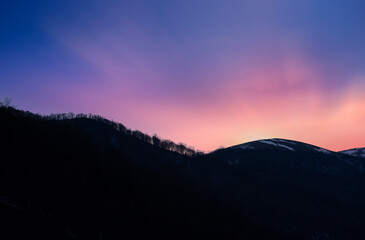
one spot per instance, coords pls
(69, 176)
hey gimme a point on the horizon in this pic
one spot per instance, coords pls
(204, 73)
(9, 104)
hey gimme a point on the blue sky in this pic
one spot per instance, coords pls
(225, 72)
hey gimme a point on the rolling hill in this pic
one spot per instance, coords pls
(84, 177)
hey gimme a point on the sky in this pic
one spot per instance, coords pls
(208, 73)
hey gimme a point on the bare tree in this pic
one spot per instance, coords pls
(156, 140)
(6, 103)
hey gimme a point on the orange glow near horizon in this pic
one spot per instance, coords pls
(335, 122)
(207, 75)
(282, 102)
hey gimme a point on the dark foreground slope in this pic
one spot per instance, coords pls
(316, 193)
(82, 179)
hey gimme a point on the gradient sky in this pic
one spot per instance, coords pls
(208, 73)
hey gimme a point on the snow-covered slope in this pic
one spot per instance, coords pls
(280, 144)
(356, 152)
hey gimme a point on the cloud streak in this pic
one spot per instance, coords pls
(204, 73)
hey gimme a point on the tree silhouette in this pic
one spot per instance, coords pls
(6, 103)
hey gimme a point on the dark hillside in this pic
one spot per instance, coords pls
(84, 177)
(293, 186)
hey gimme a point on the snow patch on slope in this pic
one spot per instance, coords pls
(284, 141)
(356, 152)
(350, 152)
(322, 150)
(244, 147)
(276, 144)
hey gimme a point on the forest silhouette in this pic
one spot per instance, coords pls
(77, 176)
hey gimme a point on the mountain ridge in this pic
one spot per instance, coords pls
(89, 178)
(178, 147)
(289, 144)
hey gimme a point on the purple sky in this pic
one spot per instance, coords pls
(205, 72)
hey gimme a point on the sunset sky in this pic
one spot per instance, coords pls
(208, 73)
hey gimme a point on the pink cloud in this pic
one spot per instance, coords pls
(251, 98)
